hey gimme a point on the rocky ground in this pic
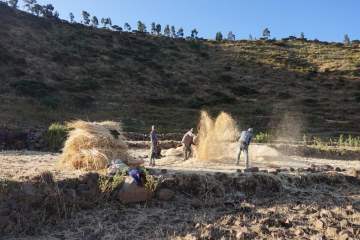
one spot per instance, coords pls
(306, 199)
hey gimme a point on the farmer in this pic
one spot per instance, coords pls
(244, 141)
(187, 141)
(153, 145)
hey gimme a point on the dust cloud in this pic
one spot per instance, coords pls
(215, 136)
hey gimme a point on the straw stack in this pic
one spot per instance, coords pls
(93, 145)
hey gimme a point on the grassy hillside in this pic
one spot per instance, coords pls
(55, 71)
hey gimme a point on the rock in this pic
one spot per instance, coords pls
(299, 232)
(331, 231)
(345, 235)
(292, 169)
(344, 223)
(244, 233)
(165, 194)
(338, 169)
(325, 213)
(260, 229)
(318, 237)
(318, 224)
(130, 192)
(353, 172)
(163, 171)
(252, 169)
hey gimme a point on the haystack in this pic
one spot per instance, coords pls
(93, 145)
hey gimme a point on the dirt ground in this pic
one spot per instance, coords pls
(22, 165)
(308, 206)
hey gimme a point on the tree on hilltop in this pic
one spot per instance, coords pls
(72, 17)
(37, 9)
(347, 41)
(302, 35)
(29, 4)
(167, 31)
(86, 17)
(47, 10)
(117, 28)
(158, 29)
(231, 36)
(127, 27)
(105, 22)
(266, 33)
(95, 21)
(180, 33)
(153, 28)
(173, 32)
(141, 26)
(13, 3)
(219, 37)
(194, 33)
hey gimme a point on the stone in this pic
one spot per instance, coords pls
(344, 223)
(345, 235)
(251, 169)
(165, 194)
(353, 172)
(317, 237)
(318, 224)
(130, 192)
(337, 169)
(331, 231)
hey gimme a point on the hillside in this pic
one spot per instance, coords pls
(55, 71)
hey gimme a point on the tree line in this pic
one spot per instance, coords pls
(48, 11)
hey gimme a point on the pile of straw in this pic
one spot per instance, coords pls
(93, 145)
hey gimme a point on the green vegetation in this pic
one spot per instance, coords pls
(262, 137)
(56, 136)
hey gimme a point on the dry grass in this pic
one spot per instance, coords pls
(93, 145)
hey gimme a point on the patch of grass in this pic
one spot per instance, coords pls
(55, 136)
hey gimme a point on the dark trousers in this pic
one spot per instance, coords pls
(187, 151)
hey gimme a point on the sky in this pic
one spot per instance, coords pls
(326, 20)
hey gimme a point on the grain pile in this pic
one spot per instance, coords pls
(92, 145)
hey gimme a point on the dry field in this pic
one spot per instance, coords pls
(213, 200)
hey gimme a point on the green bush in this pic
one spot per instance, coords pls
(55, 136)
(262, 137)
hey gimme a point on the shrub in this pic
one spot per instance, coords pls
(50, 101)
(32, 88)
(55, 136)
(262, 137)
